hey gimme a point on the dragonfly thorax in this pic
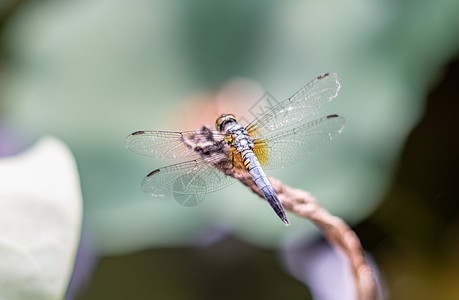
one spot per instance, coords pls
(239, 138)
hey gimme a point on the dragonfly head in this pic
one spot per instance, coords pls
(224, 121)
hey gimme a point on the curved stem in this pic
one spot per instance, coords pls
(337, 232)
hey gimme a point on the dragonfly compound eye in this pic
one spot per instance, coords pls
(223, 120)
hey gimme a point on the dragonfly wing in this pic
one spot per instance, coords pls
(167, 144)
(305, 103)
(285, 148)
(193, 178)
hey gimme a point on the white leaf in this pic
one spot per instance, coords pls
(40, 221)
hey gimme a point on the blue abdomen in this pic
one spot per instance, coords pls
(252, 165)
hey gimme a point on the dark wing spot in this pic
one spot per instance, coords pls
(323, 76)
(207, 134)
(138, 132)
(153, 172)
(220, 145)
(198, 149)
(182, 138)
(332, 116)
(207, 150)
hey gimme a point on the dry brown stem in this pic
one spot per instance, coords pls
(337, 232)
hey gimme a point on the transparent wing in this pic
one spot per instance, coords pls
(305, 103)
(194, 177)
(166, 144)
(285, 148)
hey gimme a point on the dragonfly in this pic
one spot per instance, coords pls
(279, 137)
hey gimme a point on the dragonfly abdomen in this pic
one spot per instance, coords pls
(252, 165)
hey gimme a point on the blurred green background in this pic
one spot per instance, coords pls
(91, 72)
